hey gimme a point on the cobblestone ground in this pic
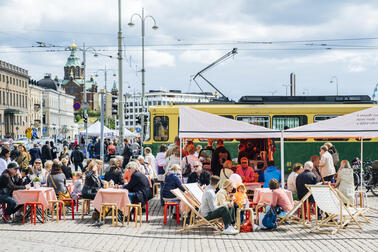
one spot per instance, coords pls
(81, 235)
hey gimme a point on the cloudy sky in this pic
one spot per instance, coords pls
(314, 39)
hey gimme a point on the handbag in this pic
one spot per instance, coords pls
(188, 168)
(61, 195)
(270, 219)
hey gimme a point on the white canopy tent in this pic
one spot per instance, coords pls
(360, 124)
(128, 133)
(95, 130)
(195, 124)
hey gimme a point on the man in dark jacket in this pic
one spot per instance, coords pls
(7, 186)
(138, 186)
(97, 149)
(15, 153)
(306, 177)
(199, 176)
(46, 153)
(127, 153)
(35, 153)
(220, 155)
(77, 158)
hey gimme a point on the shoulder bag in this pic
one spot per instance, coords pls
(61, 195)
(188, 168)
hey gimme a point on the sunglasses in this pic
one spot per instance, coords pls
(37, 163)
(244, 162)
(196, 166)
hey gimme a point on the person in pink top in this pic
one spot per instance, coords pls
(279, 196)
(245, 172)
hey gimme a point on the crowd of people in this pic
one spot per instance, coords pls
(171, 167)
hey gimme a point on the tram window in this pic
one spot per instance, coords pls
(263, 121)
(323, 117)
(227, 116)
(281, 122)
(161, 128)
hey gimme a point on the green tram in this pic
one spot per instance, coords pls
(275, 112)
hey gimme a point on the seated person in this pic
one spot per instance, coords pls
(345, 181)
(291, 185)
(246, 172)
(271, 173)
(57, 179)
(241, 199)
(280, 198)
(210, 210)
(307, 177)
(225, 198)
(77, 185)
(66, 169)
(171, 182)
(7, 186)
(92, 182)
(225, 172)
(114, 173)
(138, 186)
(199, 176)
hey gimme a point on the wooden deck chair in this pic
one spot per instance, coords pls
(196, 192)
(339, 215)
(199, 220)
(290, 215)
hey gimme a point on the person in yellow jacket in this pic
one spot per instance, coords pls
(241, 199)
(24, 157)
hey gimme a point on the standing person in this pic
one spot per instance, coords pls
(172, 159)
(326, 166)
(199, 175)
(97, 149)
(307, 177)
(220, 155)
(291, 180)
(189, 161)
(160, 160)
(64, 153)
(332, 150)
(210, 210)
(24, 158)
(54, 150)
(111, 150)
(245, 172)
(46, 152)
(4, 159)
(35, 153)
(7, 186)
(271, 173)
(15, 153)
(198, 150)
(345, 181)
(77, 158)
(127, 153)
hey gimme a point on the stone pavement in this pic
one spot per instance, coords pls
(78, 235)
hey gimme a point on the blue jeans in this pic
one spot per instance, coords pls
(131, 197)
(11, 203)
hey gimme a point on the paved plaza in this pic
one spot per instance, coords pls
(81, 235)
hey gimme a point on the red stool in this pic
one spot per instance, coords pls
(33, 213)
(166, 204)
(77, 202)
(3, 206)
(72, 208)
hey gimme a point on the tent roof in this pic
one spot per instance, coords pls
(95, 130)
(199, 124)
(363, 123)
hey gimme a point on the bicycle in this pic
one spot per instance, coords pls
(369, 175)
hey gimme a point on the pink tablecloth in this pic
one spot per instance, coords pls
(110, 195)
(264, 195)
(42, 194)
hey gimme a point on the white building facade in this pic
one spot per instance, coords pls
(35, 108)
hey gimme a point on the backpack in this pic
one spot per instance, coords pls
(270, 219)
(111, 150)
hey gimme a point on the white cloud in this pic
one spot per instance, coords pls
(203, 57)
(158, 59)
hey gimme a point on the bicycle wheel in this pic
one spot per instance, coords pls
(356, 179)
(374, 189)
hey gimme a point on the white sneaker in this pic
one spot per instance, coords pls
(230, 231)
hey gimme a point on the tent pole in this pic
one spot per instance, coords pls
(282, 160)
(362, 161)
(182, 168)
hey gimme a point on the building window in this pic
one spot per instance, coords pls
(11, 100)
(71, 90)
(263, 121)
(286, 122)
(161, 128)
(159, 102)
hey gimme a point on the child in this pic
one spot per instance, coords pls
(78, 184)
(241, 199)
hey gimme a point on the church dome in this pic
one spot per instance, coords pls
(48, 83)
(73, 60)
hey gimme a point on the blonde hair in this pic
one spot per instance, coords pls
(91, 165)
(227, 164)
(344, 164)
(48, 164)
(175, 168)
(64, 161)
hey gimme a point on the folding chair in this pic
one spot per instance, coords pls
(199, 220)
(196, 192)
(329, 200)
(290, 215)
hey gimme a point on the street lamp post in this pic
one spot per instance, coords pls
(154, 27)
(121, 109)
(102, 92)
(337, 84)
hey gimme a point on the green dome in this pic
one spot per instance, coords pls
(73, 60)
